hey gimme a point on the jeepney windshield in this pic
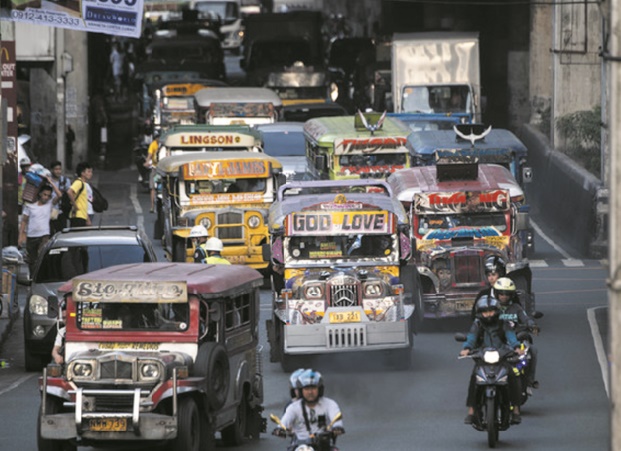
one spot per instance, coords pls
(178, 103)
(380, 159)
(430, 223)
(341, 247)
(132, 316)
(219, 186)
(436, 99)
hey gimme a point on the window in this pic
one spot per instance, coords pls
(132, 316)
(237, 311)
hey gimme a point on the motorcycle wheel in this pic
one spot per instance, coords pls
(492, 424)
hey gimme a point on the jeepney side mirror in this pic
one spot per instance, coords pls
(320, 162)
(266, 251)
(52, 307)
(522, 221)
(527, 174)
(281, 179)
(215, 312)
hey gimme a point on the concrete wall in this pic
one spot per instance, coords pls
(563, 194)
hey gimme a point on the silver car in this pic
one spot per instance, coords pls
(70, 253)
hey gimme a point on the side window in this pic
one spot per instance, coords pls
(237, 312)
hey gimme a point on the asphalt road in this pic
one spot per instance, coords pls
(422, 408)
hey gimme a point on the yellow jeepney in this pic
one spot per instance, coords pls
(227, 192)
(367, 145)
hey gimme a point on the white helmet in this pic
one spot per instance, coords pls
(25, 161)
(198, 231)
(214, 244)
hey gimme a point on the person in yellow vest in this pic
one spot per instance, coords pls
(214, 247)
(151, 163)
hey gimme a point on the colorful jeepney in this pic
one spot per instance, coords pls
(156, 353)
(227, 192)
(237, 106)
(344, 147)
(345, 285)
(462, 214)
(484, 143)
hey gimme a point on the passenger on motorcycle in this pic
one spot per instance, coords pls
(488, 330)
(512, 312)
(495, 268)
(312, 412)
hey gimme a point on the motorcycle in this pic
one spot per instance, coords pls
(322, 440)
(492, 410)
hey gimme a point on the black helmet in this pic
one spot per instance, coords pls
(487, 304)
(495, 264)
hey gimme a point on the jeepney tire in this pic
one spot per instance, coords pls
(179, 254)
(52, 405)
(188, 426)
(212, 363)
(208, 434)
(236, 433)
(158, 227)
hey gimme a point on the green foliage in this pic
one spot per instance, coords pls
(581, 132)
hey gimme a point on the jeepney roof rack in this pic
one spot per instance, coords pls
(471, 132)
(333, 186)
(451, 164)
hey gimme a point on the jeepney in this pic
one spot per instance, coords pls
(227, 192)
(487, 145)
(237, 105)
(366, 145)
(346, 285)
(174, 102)
(462, 213)
(156, 354)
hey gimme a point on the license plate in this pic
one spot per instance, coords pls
(345, 317)
(461, 306)
(108, 424)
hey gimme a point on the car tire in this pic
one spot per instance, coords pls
(212, 363)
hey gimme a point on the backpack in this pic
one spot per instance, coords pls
(65, 202)
(99, 203)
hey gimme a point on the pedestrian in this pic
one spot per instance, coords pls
(34, 230)
(58, 220)
(151, 163)
(58, 351)
(24, 165)
(117, 61)
(69, 140)
(79, 196)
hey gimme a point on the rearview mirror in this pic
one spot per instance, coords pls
(460, 337)
(52, 307)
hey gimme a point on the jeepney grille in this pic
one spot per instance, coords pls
(116, 403)
(116, 369)
(346, 336)
(231, 218)
(344, 292)
(468, 268)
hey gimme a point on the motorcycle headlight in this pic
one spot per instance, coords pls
(254, 221)
(37, 305)
(373, 290)
(313, 292)
(82, 369)
(149, 370)
(491, 357)
(205, 222)
(334, 92)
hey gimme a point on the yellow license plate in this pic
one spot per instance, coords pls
(345, 317)
(461, 306)
(108, 424)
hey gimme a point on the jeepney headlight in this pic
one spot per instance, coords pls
(205, 222)
(149, 370)
(373, 290)
(37, 305)
(254, 221)
(82, 369)
(162, 153)
(334, 91)
(314, 291)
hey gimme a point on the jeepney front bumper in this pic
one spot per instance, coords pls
(362, 335)
(448, 305)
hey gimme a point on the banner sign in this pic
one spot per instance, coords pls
(116, 17)
(372, 222)
(462, 202)
(124, 291)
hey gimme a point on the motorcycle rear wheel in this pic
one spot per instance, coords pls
(491, 419)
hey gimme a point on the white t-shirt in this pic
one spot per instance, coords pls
(293, 419)
(89, 197)
(60, 336)
(38, 219)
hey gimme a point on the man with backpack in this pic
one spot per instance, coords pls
(78, 194)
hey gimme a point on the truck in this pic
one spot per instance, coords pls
(462, 213)
(436, 78)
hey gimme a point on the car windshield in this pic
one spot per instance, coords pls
(134, 316)
(340, 247)
(284, 144)
(63, 263)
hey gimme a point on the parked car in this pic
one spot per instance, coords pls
(70, 253)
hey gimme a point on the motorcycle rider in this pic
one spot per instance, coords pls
(488, 330)
(495, 268)
(199, 235)
(512, 312)
(312, 411)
